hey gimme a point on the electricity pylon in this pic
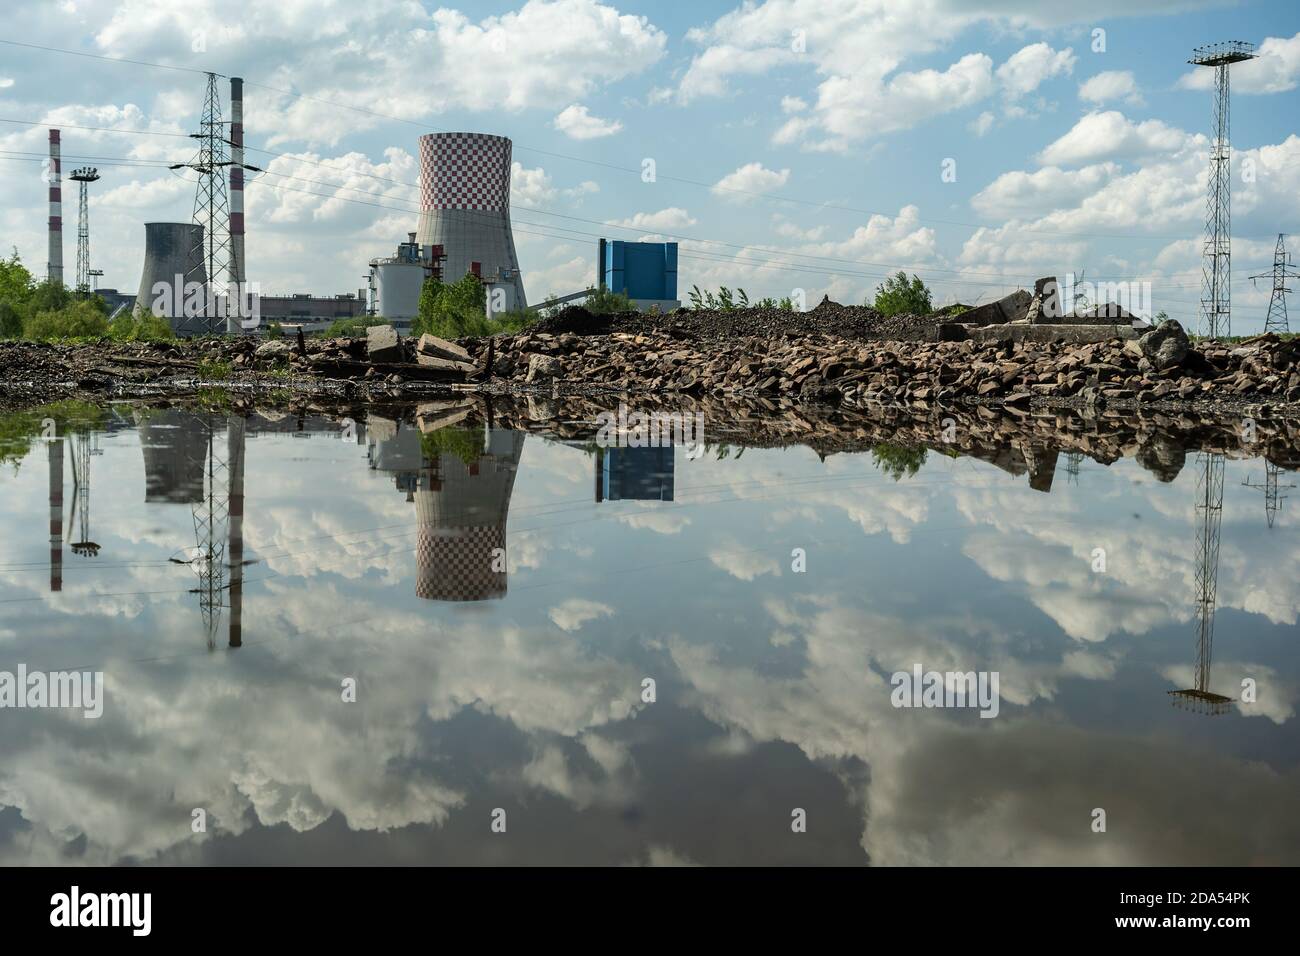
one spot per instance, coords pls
(211, 514)
(1216, 272)
(1277, 320)
(1209, 505)
(212, 203)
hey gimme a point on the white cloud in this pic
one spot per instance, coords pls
(576, 122)
(1027, 68)
(981, 124)
(572, 614)
(1018, 193)
(1275, 70)
(6, 82)
(1110, 86)
(1112, 135)
(670, 218)
(749, 179)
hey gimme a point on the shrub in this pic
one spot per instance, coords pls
(80, 320)
(897, 296)
(140, 326)
(11, 320)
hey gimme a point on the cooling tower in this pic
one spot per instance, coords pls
(173, 249)
(465, 207)
(54, 267)
(461, 511)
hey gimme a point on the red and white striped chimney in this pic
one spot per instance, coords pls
(54, 268)
(238, 273)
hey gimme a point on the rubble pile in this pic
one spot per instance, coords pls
(1161, 366)
(798, 361)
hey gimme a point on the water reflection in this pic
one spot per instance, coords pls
(380, 549)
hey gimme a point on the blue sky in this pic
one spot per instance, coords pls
(1065, 158)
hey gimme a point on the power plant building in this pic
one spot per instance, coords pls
(397, 281)
(465, 208)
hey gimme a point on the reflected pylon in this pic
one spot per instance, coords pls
(211, 515)
(1209, 505)
(84, 446)
(236, 426)
(1272, 500)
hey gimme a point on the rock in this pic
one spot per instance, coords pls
(1166, 345)
(274, 349)
(542, 367)
(382, 344)
(441, 348)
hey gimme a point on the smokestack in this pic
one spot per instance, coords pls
(56, 514)
(465, 206)
(235, 429)
(236, 196)
(54, 269)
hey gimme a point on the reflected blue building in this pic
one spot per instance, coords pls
(634, 474)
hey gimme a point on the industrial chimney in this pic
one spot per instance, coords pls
(465, 207)
(172, 258)
(237, 271)
(54, 268)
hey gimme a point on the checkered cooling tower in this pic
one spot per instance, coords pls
(461, 511)
(455, 564)
(465, 171)
(465, 208)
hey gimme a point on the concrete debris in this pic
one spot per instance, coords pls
(382, 344)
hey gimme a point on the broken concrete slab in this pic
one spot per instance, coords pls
(432, 345)
(1009, 308)
(382, 344)
(444, 364)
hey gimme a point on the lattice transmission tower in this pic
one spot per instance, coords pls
(83, 178)
(212, 205)
(1209, 506)
(1216, 272)
(1277, 320)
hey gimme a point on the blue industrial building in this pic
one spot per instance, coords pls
(644, 271)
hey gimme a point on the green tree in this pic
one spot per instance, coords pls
(140, 326)
(15, 281)
(898, 461)
(897, 296)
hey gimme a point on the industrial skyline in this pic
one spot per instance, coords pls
(767, 189)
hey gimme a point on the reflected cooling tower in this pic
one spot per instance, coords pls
(172, 249)
(461, 511)
(175, 447)
(465, 208)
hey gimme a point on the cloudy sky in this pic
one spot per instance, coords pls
(796, 144)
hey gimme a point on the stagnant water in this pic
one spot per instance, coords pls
(312, 652)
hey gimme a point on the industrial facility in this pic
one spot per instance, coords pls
(465, 209)
(395, 282)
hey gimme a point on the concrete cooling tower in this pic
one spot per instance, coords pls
(172, 249)
(461, 510)
(465, 208)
